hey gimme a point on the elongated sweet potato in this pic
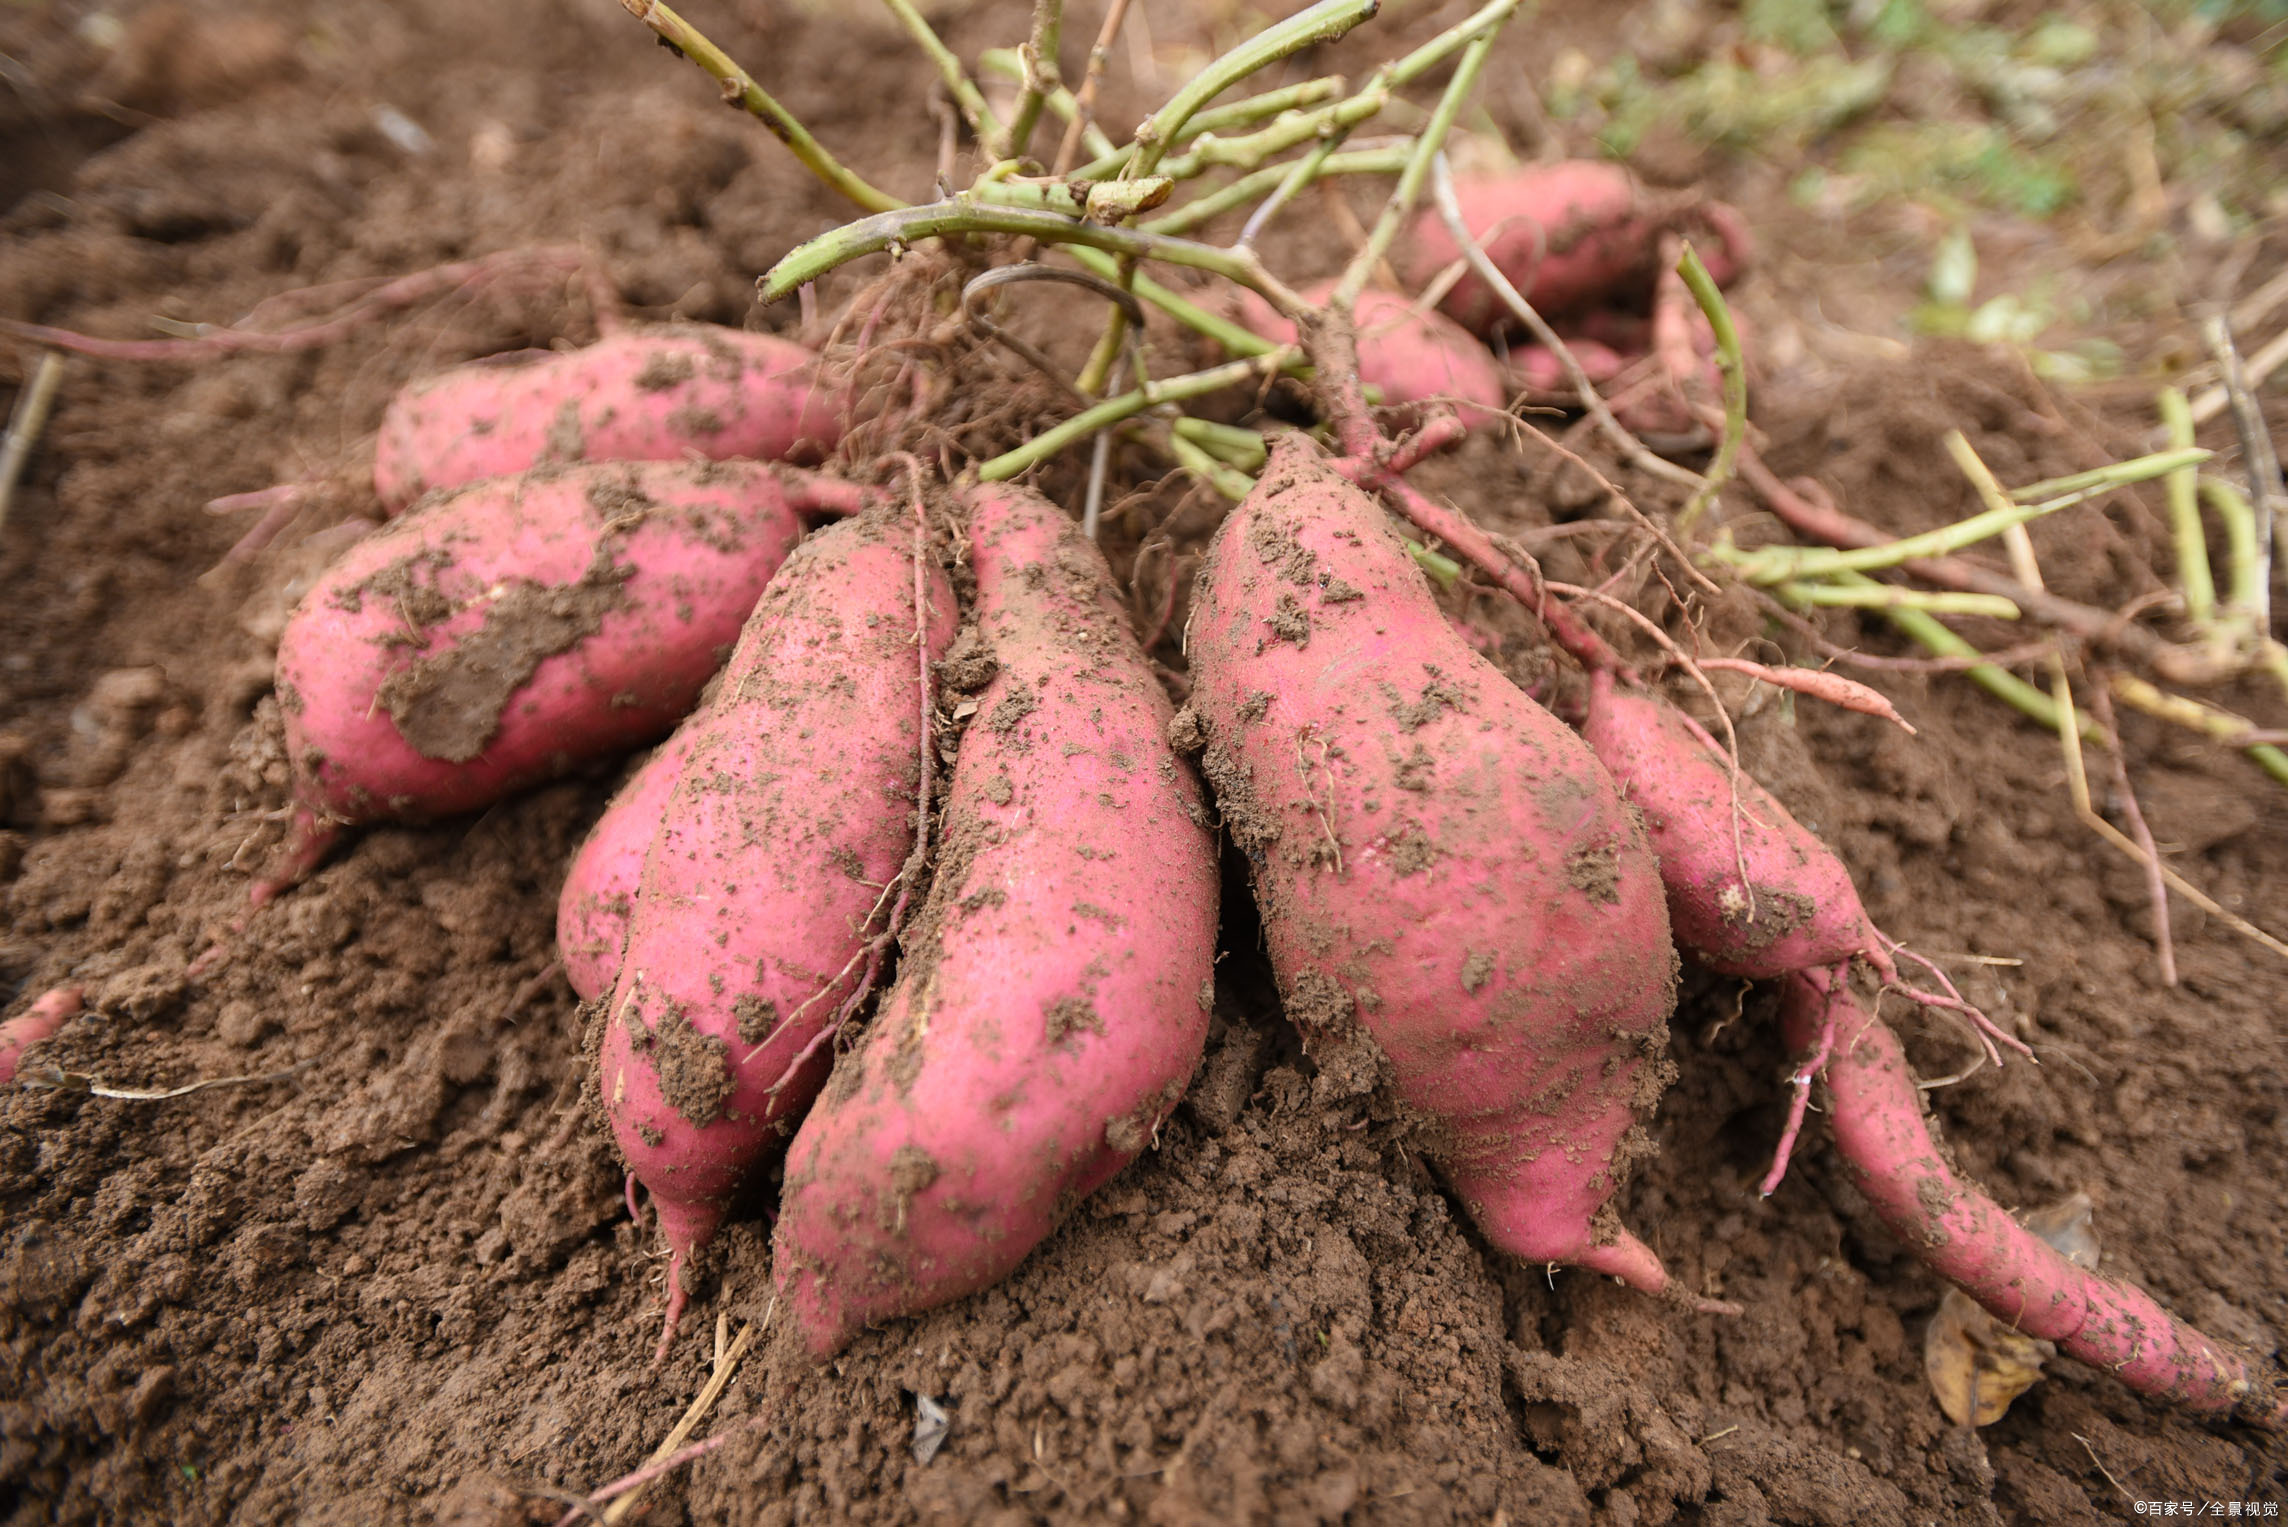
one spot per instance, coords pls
(792, 810)
(1412, 357)
(1568, 236)
(1876, 1113)
(1456, 901)
(1054, 996)
(656, 393)
(504, 633)
(1795, 910)
(600, 888)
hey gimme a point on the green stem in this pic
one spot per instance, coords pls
(1231, 482)
(1039, 61)
(965, 93)
(1307, 126)
(739, 86)
(1380, 161)
(1107, 201)
(1322, 22)
(1434, 52)
(1166, 125)
(1779, 564)
(1241, 113)
(2193, 715)
(1735, 369)
(2081, 485)
(1427, 143)
(1445, 570)
(1062, 103)
(2185, 515)
(961, 214)
(1234, 339)
(1243, 448)
(1890, 596)
(1261, 108)
(2239, 516)
(2003, 685)
(1128, 404)
(1300, 174)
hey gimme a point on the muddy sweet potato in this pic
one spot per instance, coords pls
(1876, 1113)
(600, 887)
(1795, 908)
(1569, 236)
(1054, 996)
(1412, 357)
(792, 810)
(1456, 902)
(502, 634)
(656, 393)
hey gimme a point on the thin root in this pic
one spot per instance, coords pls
(1800, 1103)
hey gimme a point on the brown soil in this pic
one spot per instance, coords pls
(394, 1279)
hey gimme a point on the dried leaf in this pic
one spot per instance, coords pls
(931, 1423)
(1975, 1364)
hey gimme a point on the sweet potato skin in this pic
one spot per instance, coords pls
(600, 887)
(791, 810)
(1455, 899)
(656, 393)
(48, 1013)
(1412, 357)
(502, 634)
(1797, 908)
(1054, 996)
(1960, 1233)
(1569, 236)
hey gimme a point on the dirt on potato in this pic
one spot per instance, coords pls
(390, 1276)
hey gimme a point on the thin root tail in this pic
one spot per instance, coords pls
(1966, 1238)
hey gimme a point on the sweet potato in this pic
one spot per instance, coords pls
(47, 1014)
(600, 888)
(1538, 367)
(1456, 902)
(1412, 357)
(655, 393)
(1568, 236)
(792, 810)
(1054, 997)
(506, 632)
(1876, 1113)
(1796, 907)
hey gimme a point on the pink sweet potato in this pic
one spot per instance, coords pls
(1412, 357)
(509, 631)
(1456, 901)
(1795, 910)
(657, 393)
(1054, 997)
(600, 888)
(47, 1014)
(791, 811)
(1569, 236)
(1539, 368)
(1876, 1113)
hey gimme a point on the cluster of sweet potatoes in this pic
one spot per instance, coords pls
(1470, 906)
(1457, 895)
(1581, 241)
(582, 536)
